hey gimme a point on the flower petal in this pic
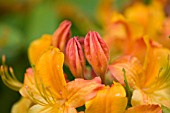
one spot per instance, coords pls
(22, 106)
(28, 82)
(37, 47)
(45, 109)
(49, 70)
(51, 109)
(108, 100)
(145, 109)
(79, 91)
(133, 68)
(157, 60)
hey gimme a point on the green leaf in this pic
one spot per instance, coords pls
(165, 109)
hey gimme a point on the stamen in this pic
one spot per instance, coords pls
(45, 94)
(54, 100)
(31, 95)
(9, 79)
(164, 76)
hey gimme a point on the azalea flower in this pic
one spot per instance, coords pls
(46, 86)
(113, 100)
(149, 81)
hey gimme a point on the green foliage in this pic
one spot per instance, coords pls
(10, 41)
(165, 109)
(41, 20)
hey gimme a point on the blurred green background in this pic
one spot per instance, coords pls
(22, 21)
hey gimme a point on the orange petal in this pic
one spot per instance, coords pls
(79, 91)
(49, 70)
(28, 82)
(145, 109)
(133, 69)
(37, 47)
(108, 100)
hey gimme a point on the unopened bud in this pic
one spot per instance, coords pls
(62, 35)
(75, 57)
(97, 53)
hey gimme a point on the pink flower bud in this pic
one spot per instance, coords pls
(62, 35)
(75, 57)
(97, 53)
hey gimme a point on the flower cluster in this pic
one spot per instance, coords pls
(127, 70)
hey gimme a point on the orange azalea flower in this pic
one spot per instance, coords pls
(150, 81)
(47, 87)
(113, 100)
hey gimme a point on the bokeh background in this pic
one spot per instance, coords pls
(22, 21)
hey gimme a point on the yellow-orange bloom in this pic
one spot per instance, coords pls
(150, 81)
(113, 100)
(46, 86)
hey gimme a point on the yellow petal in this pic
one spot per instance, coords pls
(79, 91)
(46, 109)
(139, 98)
(108, 100)
(37, 47)
(52, 109)
(49, 70)
(157, 59)
(160, 97)
(145, 109)
(22, 106)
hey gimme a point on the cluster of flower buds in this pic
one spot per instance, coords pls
(78, 50)
(95, 51)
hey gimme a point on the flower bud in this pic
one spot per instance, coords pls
(97, 53)
(62, 35)
(75, 57)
